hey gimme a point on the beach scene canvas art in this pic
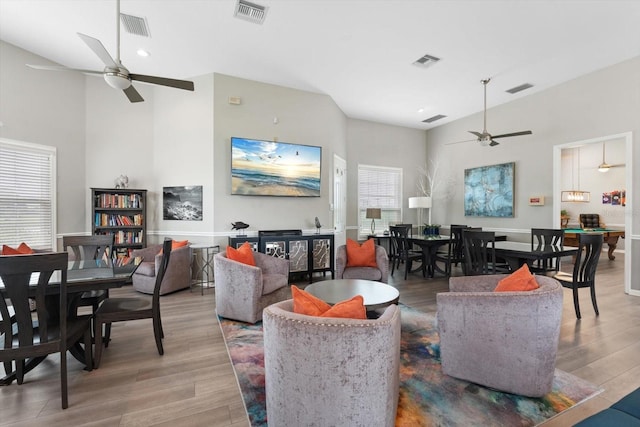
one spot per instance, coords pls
(269, 168)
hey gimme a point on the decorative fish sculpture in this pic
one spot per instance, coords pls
(239, 225)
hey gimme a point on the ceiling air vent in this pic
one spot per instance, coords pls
(426, 61)
(250, 11)
(434, 118)
(519, 88)
(135, 25)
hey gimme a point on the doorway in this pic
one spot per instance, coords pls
(626, 138)
(339, 205)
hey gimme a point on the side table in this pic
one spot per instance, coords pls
(203, 265)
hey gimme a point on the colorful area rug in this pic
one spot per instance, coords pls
(427, 396)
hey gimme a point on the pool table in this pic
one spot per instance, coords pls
(610, 237)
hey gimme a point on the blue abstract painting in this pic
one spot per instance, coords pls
(488, 191)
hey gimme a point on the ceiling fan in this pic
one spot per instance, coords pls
(484, 137)
(604, 166)
(116, 74)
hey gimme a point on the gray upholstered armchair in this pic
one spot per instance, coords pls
(504, 340)
(331, 372)
(380, 274)
(177, 276)
(243, 291)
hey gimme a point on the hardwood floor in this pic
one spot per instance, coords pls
(193, 384)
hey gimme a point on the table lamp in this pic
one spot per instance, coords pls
(420, 203)
(373, 214)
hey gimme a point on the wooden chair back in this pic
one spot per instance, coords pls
(584, 268)
(25, 340)
(88, 247)
(546, 237)
(479, 252)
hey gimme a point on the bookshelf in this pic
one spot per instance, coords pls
(123, 213)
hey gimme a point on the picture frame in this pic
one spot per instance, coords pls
(489, 191)
(182, 203)
(273, 168)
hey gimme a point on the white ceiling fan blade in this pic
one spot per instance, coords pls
(178, 84)
(98, 48)
(61, 68)
(133, 94)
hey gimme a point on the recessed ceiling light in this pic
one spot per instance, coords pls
(420, 110)
(143, 53)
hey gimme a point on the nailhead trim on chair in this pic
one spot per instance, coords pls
(339, 325)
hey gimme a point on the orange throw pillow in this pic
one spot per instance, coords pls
(310, 305)
(23, 249)
(349, 309)
(175, 244)
(361, 255)
(305, 303)
(8, 250)
(243, 254)
(520, 280)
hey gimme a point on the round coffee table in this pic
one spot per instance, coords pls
(376, 295)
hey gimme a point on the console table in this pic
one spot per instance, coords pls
(307, 253)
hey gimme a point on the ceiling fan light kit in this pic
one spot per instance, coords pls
(115, 74)
(484, 137)
(117, 80)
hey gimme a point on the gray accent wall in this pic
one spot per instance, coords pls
(302, 118)
(48, 108)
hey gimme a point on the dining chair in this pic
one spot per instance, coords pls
(454, 253)
(584, 269)
(82, 248)
(402, 252)
(546, 237)
(124, 309)
(28, 342)
(480, 254)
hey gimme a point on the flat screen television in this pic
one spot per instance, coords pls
(269, 168)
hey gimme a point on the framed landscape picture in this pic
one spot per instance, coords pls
(182, 203)
(488, 191)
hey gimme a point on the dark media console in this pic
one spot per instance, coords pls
(307, 253)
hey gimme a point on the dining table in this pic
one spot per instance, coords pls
(517, 254)
(429, 245)
(82, 276)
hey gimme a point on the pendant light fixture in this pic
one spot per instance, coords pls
(575, 195)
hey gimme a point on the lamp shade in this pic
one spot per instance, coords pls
(374, 213)
(420, 202)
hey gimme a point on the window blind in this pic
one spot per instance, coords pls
(379, 187)
(27, 189)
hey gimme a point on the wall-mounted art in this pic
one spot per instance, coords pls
(270, 168)
(616, 198)
(182, 203)
(488, 190)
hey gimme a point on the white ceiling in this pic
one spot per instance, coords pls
(358, 52)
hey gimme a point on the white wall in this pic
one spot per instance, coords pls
(303, 118)
(606, 102)
(47, 107)
(383, 145)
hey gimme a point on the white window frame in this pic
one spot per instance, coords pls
(13, 197)
(387, 198)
